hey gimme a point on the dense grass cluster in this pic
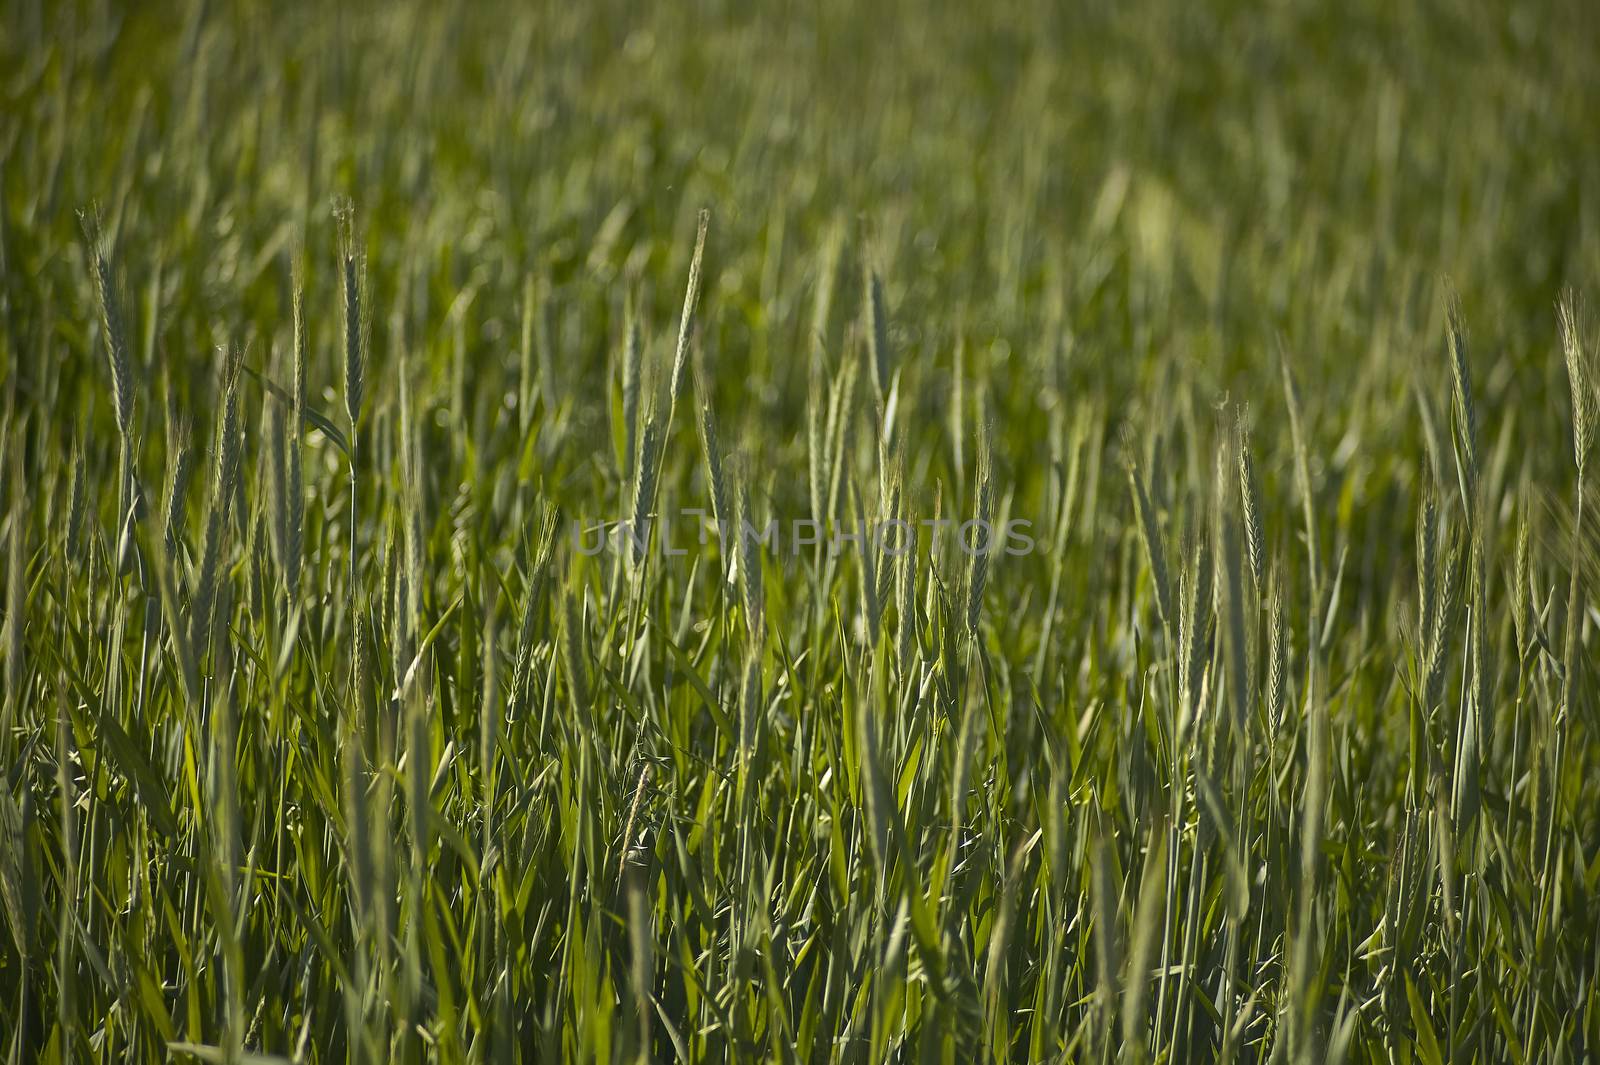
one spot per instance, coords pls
(334, 341)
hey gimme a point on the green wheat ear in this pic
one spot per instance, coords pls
(648, 465)
(1277, 660)
(1250, 500)
(355, 310)
(877, 329)
(75, 502)
(1580, 381)
(108, 301)
(1465, 438)
(691, 298)
(710, 443)
(224, 477)
(1150, 536)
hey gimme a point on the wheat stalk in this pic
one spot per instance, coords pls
(978, 572)
(75, 502)
(294, 472)
(632, 359)
(572, 656)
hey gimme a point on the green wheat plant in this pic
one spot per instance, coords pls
(1127, 594)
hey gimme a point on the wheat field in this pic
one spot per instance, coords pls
(829, 532)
